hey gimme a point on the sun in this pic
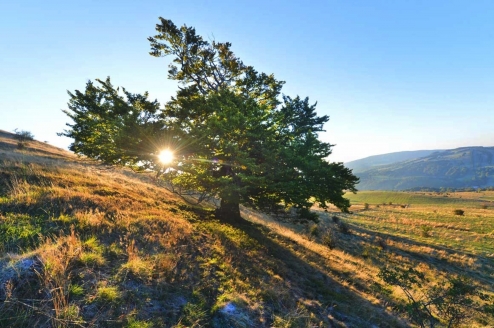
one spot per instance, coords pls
(165, 156)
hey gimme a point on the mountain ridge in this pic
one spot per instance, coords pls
(464, 167)
(366, 163)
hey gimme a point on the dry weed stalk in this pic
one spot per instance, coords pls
(55, 278)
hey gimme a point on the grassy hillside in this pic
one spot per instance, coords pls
(371, 162)
(83, 245)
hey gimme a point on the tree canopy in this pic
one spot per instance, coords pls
(235, 137)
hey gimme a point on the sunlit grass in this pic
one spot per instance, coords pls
(109, 246)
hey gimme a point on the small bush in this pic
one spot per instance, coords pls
(314, 230)
(459, 212)
(366, 206)
(426, 231)
(23, 136)
(381, 243)
(344, 228)
(306, 214)
(329, 238)
(484, 206)
(335, 219)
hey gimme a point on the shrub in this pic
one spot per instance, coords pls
(306, 214)
(459, 212)
(381, 243)
(335, 219)
(314, 230)
(329, 238)
(22, 138)
(366, 206)
(343, 228)
(425, 231)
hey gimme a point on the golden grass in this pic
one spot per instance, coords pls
(115, 249)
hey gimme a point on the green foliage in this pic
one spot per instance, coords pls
(23, 137)
(133, 323)
(233, 135)
(459, 212)
(76, 290)
(92, 259)
(19, 232)
(452, 301)
(425, 231)
(114, 129)
(108, 294)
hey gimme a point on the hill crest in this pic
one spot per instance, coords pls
(464, 167)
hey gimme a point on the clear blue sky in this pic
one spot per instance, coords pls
(392, 75)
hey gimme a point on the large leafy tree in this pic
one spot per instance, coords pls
(234, 135)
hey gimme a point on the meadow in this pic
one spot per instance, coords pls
(85, 245)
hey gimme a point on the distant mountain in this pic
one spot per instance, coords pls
(372, 162)
(456, 168)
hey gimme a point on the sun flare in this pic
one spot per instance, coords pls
(165, 156)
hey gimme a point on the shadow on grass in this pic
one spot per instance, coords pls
(305, 274)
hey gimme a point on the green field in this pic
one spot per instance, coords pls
(423, 198)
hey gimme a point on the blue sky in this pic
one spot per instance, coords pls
(392, 75)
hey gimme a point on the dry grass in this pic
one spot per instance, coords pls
(84, 245)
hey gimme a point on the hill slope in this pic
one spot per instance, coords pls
(456, 168)
(84, 245)
(372, 162)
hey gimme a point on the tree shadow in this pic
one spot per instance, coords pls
(293, 274)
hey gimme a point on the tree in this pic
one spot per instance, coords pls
(234, 135)
(23, 137)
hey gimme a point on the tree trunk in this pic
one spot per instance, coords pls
(229, 211)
